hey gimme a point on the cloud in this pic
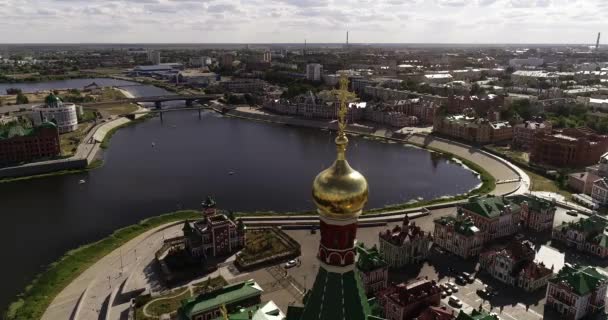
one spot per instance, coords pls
(292, 20)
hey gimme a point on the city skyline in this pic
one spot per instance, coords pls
(292, 21)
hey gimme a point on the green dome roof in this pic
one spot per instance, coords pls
(52, 99)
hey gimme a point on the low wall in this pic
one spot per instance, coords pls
(43, 167)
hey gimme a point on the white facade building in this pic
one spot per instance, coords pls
(154, 57)
(314, 71)
(404, 244)
(64, 115)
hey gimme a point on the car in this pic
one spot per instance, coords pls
(455, 302)
(452, 286)
(468, 277)
(460, 280)
(443, 286)
(291, 263)
(443, 294)
(448, 291)
(572, 213)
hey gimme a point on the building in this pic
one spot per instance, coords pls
(599, 191)
(243, 85)
(372, 269)
(459, 235)
(19, 144)
(436, 313)
(407, 300)
(314, 72)
(64, 115)
(154, 57)
(537, 214)
(531, 62)
(476, 315)
(214, 235)
(438, 78)
(473, 130)
(267, 311)
(404, 244)
(496, 217)
(533, 78)
(227, 60)
(582, 182)
(514, 265)
(316, 106)
(577, 292)
(568, 148)
(207, 306)
(157, 70)
(197, 77)
(339, 193)
(523, 133)
(587, 234)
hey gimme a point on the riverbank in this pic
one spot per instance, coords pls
(33, 302)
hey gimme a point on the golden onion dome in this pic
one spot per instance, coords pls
(340, 192)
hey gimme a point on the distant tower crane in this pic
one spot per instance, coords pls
(597, 43)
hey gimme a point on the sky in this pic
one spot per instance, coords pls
(317, 21)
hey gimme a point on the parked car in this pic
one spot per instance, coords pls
(452, 286)
(291, 263)
(572, 213)
(468, 277)
(443, 294)
(455, 302)
(460, 280)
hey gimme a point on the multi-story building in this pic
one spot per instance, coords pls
(568, 148)
(527, 78)
(523, 134)
(243, 85)
(536, 213)
(577, 292)
(314, 106)
(404, 244)
(19, 144)
(438, 78)
(459, 235)
(514, 265)
(64, 115)
(372, 269)
(214, 235)
(154, 57)
(599, 191)
(407, 300)
(475, 130)
(384, 94)
(196, 77)
(532, 62)
(314, 72)
(586, 234)
(496, 217)
(226, 60)
(208, 305)
(481, 105)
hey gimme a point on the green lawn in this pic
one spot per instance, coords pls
(261, 243)
(168, 304)
(32, 303)
(540, 183)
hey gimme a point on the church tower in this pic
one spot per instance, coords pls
(340, 193)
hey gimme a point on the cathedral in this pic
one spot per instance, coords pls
(340, 193)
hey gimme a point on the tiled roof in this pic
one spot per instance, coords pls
(461, 224)
(490, 206)
(534, 203)
(224, 296)
(334, 296)
(582, 280)
(369, 258)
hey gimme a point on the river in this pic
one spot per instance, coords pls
(273, 166)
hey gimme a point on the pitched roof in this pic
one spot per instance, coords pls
(461, 224)
(369, 258)
(224, 296)
(582, 280)
(534, 203)
(334, 296)
(490, 206)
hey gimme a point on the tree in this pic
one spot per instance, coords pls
(22, 99)
(13, 91)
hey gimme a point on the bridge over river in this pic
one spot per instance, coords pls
(158, 100)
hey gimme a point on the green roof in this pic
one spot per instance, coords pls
(225, 296)
(369, 258)
(243, 313)
(581, 279)
(334, 296)
(14, 129)
(593, 224)
(534, 203)
(52, 99)
(461, 224)
(476, 315)
(489, 206)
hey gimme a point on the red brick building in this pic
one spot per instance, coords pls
(406, 301)
(19, 144)
(436, 313)
(568, 148)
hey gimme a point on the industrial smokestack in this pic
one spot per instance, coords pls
(347, 38)
(597, 43)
